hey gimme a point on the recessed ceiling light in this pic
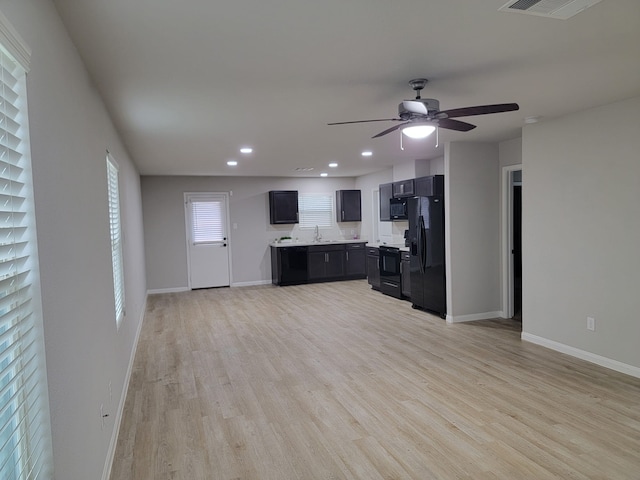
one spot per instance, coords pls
(246, 150)
(323, 174)
(532, 119)
(232, 163)
(367, 153)
(333, 164)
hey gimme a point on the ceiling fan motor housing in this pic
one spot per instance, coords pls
(432, 105)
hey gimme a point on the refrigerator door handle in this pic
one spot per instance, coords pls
(421, 243)
(424, 249)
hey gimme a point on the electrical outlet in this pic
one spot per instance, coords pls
(591, 324)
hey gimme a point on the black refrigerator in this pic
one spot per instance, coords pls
(426, 245)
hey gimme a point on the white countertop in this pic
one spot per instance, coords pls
(302, 243)
(399, 246)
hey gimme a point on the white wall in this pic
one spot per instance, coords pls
(368, 184)
(70, 132)
(164, 224)
(510, 152)
(581, 232)
(472, 231)
(418, 168)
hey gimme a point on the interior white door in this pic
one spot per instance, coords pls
(207, 239)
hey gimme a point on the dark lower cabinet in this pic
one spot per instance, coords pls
(373, 267)
(405, 276)
(325, 262)
(355, 260)
(317, 263)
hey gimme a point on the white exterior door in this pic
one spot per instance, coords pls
(207, 239)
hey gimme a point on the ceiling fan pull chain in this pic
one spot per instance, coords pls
(401, 147)
(437, 136)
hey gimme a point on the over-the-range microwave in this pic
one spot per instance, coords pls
(398, 209)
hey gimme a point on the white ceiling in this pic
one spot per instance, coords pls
(189, 82)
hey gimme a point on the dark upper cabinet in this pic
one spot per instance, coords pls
(404, 188)
(386, 192)
(283, 206)
(348, 206)
(429, 186)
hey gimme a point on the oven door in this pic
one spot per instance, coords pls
(390, 271)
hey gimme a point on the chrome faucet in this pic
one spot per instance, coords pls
(317, 237)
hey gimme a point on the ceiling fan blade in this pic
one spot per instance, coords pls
(389, 130)
(452, 124)
(415, 107)
(478, 110)
(367, 121)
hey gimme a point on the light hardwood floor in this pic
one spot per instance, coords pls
(335, 381)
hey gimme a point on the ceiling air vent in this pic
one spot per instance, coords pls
(561, 9)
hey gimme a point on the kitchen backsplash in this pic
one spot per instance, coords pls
(392, 232)
(343, 231)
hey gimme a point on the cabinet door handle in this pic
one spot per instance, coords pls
(347, 256)
(342, 214)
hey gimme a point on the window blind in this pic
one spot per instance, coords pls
(24, 428)
(207, 221)
(315, 209)
(115, 228)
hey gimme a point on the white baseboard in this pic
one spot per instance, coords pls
(582, 354)
(474, 316)
(251, 284)
(106, 473)
(167, 290)
(186, 289)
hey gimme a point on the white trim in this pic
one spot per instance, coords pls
(108, 465)
(168, 290)
(472, 317)
(507, 238)
(375, 214)
(582, 354)
(14, 44)
(251, 284)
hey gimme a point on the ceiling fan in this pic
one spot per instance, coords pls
(421, 116)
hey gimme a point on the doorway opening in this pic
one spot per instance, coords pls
(516, 251)
(512, 241)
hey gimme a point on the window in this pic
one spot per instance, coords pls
(316, 209)
(207, 221)
(116, 237)
(25, 439)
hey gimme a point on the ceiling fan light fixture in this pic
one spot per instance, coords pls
(418, 131)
